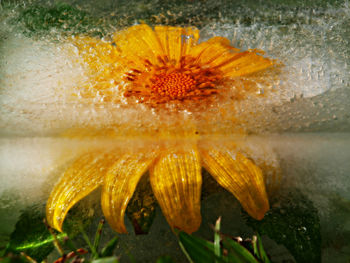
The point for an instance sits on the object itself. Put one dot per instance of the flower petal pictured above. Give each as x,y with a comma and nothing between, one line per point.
264,157
176,182
218,53
214,51
245,63
176,41
80,179
138,43
141,42
240,176
119,185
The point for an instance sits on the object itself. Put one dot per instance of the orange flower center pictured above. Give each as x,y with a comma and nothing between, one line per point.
174,85
164,82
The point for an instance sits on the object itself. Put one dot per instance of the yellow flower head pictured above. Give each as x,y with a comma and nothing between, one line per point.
163,68
167,64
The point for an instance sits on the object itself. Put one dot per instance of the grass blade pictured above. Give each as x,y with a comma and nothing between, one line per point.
107,251
98,235
217,239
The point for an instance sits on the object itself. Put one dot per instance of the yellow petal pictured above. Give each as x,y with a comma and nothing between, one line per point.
214,51
240,176
218,53
138,43
81,178
176,41
141,42
176,182
119,185
245,63
266,158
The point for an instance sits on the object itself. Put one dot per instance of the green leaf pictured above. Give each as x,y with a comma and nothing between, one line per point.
185,252
259,250
142,207
109,248
238,253
106,260
199,250
31,236
294,224
88,242
165,259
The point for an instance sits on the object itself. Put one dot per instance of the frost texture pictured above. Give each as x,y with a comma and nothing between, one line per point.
40,77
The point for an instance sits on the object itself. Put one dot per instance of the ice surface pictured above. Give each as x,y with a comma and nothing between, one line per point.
40,80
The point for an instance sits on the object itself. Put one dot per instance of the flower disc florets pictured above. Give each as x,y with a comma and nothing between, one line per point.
168,81
173,85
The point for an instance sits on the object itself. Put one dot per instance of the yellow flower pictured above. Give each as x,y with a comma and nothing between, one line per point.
165,68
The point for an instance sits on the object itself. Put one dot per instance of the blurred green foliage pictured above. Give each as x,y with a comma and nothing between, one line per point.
103,17
40,20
